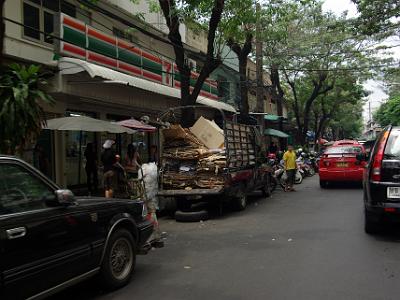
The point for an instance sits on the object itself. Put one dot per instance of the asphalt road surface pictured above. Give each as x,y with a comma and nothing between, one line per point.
308,244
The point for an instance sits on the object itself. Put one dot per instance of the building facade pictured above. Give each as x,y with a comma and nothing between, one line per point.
105,63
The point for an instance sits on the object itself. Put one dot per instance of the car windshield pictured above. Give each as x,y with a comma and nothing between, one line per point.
392,149
343,150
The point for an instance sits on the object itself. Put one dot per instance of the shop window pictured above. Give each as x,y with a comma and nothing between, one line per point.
31,21
39,17
68,9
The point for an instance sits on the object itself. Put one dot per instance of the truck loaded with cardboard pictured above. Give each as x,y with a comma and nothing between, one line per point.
211,163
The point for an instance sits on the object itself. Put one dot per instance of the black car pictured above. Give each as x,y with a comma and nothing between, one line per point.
50,239
382,181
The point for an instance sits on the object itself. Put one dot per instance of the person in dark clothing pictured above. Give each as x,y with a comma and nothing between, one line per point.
108,160
273,148
91,168
153,154
116,181
108,155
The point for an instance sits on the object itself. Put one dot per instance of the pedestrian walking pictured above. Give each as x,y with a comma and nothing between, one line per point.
132,161
91,168
289,159
108,160
116,181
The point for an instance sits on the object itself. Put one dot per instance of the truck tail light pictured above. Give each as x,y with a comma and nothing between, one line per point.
377,162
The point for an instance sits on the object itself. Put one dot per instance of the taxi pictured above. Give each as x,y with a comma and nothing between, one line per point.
340,162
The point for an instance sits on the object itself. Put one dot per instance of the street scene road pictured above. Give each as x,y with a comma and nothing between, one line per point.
308,244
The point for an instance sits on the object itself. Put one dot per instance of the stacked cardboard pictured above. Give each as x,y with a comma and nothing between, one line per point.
193,158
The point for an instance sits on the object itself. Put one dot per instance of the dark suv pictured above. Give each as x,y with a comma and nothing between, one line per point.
382,181
50,240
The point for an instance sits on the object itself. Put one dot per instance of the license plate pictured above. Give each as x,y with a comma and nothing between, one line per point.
393,192
342,165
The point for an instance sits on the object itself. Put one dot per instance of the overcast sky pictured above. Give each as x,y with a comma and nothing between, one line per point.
338,6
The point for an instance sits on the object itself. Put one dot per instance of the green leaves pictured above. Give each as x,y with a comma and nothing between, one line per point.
377,16
389,112
21,115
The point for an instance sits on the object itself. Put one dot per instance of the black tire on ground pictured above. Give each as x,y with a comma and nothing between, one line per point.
240,202
119,260
191,216
371,226
198,206
266,191
323,184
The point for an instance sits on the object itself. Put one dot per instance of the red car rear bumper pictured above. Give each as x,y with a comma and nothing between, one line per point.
341,175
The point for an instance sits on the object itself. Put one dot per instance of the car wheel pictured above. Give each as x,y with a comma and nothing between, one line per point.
191,216
370,226
119,260
323,184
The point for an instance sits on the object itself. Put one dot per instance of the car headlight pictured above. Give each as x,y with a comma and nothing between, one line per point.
144,211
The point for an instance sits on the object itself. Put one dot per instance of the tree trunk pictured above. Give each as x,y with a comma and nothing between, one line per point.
317,91
242,54
2,31
244,93
277,94
169,8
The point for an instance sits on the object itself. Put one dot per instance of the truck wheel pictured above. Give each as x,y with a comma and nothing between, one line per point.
240,202
119,260
191,216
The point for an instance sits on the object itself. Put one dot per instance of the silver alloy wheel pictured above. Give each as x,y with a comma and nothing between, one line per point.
121,258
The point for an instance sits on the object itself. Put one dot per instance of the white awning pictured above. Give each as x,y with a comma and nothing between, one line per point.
69,66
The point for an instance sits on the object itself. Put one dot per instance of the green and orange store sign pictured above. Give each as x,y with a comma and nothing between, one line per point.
82,41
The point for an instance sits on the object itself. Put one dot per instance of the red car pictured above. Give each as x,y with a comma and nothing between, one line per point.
340,163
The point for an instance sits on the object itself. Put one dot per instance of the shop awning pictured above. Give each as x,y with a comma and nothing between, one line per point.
70,66
83,123
275,132
137,125
271,117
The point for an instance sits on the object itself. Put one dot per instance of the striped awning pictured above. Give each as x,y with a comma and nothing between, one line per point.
69,66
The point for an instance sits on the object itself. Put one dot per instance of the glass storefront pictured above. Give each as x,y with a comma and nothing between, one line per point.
75,146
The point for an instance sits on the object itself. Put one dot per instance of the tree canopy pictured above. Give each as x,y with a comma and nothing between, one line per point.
378,16
389,112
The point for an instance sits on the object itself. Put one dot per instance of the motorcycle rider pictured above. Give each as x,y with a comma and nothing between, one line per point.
289,159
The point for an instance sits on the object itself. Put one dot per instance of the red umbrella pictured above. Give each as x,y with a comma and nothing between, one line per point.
137,125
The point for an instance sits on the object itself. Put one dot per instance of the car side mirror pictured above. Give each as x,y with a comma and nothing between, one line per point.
65,197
